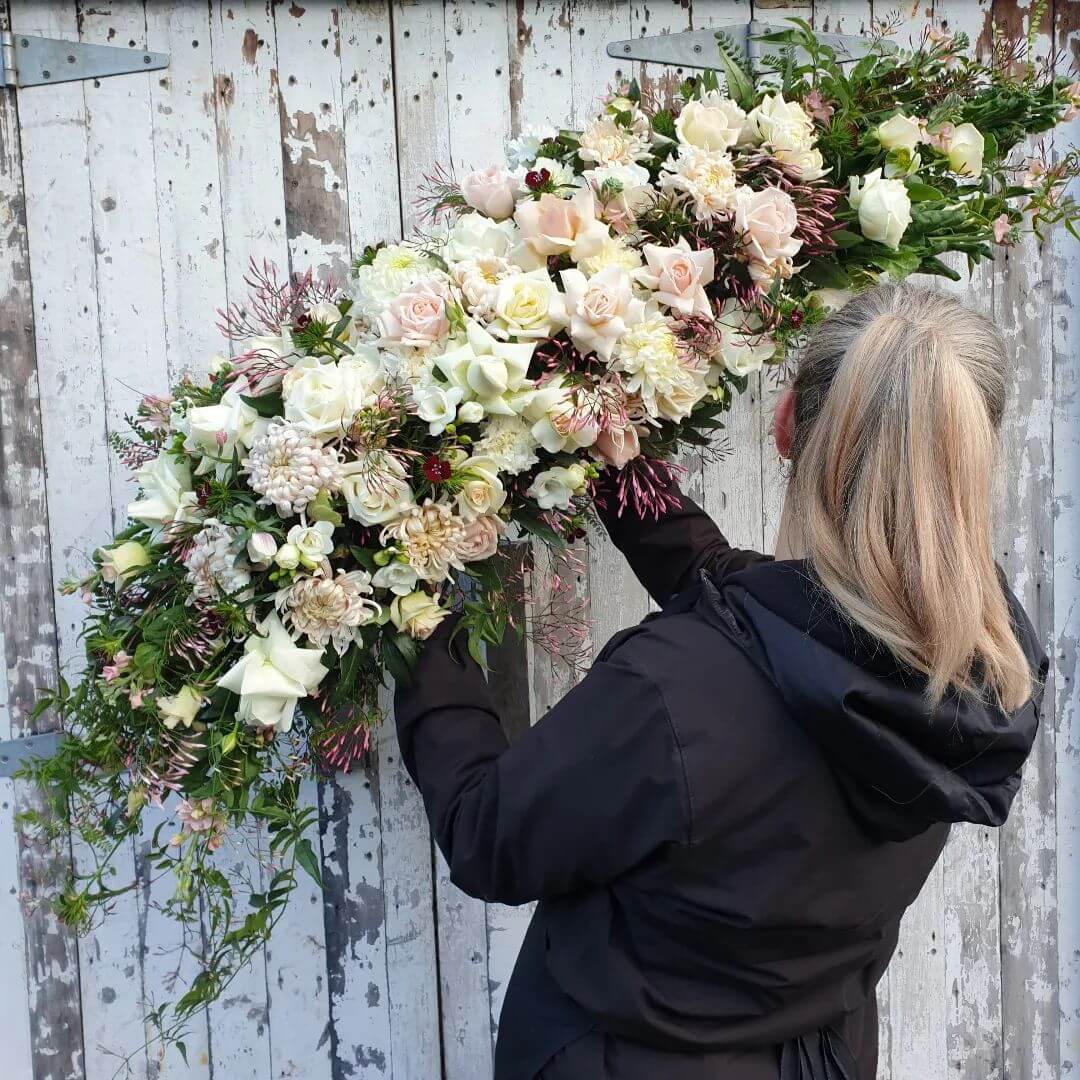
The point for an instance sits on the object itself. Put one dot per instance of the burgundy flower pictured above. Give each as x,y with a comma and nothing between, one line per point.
436,469
536,179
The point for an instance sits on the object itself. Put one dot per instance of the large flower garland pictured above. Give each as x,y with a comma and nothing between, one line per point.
309,514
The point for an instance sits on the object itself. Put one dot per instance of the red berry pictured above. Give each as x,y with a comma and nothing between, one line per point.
436,469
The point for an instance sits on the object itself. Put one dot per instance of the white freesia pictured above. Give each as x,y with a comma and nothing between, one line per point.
216,432
180,708
481,492
272,676
528,305
555,488
965,148
488,371
884,207
712,123
437,405
900,132
399,577
166,493
600,309
323,398
313,542
376,488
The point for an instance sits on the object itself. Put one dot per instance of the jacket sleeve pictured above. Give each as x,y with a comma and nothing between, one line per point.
595,787
666,555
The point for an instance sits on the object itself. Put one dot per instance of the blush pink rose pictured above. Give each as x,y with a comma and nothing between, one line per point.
491,191
767,219
677,276
481,538
551,225
416,317
618,444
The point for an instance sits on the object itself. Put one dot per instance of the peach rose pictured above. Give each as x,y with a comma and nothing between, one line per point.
417,316
618,444
677,277
767,219
551,225
491,191
481,538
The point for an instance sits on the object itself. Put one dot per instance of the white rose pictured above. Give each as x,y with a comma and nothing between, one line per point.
884,207
713,123
810,163
555,488
487,369
830,299
470,412
784,125
121,562
323,398
600,308
376,488
965,148
491,191
399,577
473,235
528,306
166,493
900,132
481,491
417,614
272,675
181,708
261,548
217,431
312,542
437,405
287,557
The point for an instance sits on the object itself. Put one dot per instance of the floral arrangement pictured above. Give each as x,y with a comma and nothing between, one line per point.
313,510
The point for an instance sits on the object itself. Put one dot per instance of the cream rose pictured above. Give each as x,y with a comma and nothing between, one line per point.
376,488
323,398
600,308
766,219
181,708
900,132
416,317
481,539
551,225
677,277
122,561
965,147
490,190
417,614
884,207
555,488
713,123
528,305
481,492
784,125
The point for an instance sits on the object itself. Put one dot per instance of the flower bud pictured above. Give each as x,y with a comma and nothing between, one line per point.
261,548
287,557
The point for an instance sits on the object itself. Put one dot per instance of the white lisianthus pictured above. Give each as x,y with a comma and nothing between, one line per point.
323,398
180,708
528,305
399,577
555,488
272,676
120,562
713,123
705,177
216,432
312,542
481,491
600,309
417,614
509,443
654,367
393,269
376,488
884,207
488,371
557,421
473,235
900,132
261,548
965,148
677,277
437,405
470,412
166,493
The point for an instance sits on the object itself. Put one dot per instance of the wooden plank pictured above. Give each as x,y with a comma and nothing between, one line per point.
1065,343
539,37
39,958
1029,923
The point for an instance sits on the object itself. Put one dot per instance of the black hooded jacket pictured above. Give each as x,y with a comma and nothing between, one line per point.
724,821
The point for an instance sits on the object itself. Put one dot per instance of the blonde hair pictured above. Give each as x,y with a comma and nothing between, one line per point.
898,401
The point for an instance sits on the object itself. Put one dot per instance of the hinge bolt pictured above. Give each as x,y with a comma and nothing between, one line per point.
46,74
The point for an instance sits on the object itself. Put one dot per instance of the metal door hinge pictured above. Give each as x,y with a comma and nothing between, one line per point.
697,48
14,752
29,60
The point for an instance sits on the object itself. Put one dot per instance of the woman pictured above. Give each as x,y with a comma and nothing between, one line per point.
726,819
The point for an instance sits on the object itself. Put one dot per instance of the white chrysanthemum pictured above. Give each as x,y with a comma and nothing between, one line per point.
521,152
216,566
329,610
394,268
607,142
654,367
431,536
288,468
616,252
509,443
705,177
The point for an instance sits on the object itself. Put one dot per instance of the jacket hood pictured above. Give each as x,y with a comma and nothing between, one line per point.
901,767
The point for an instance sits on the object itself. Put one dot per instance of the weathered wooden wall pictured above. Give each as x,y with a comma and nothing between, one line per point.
297,133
